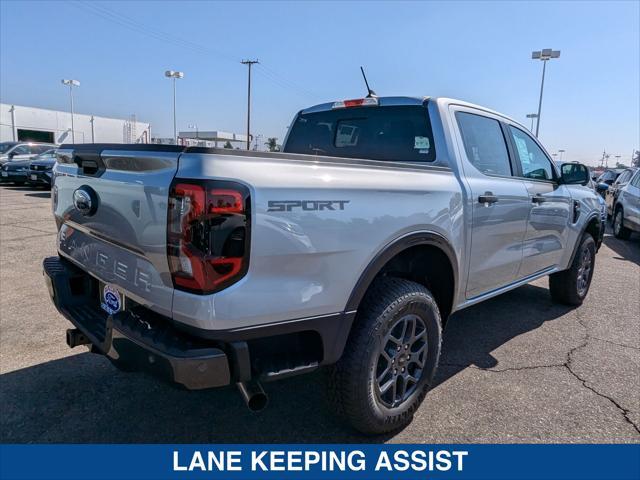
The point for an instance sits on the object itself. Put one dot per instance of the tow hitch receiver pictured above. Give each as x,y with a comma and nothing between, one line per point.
75,337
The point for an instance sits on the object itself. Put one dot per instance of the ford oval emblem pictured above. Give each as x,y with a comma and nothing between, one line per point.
85,200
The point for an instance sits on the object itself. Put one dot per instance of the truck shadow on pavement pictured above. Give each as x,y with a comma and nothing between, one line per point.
83,398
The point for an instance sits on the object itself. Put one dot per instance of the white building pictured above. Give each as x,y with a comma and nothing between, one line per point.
210,138
19,123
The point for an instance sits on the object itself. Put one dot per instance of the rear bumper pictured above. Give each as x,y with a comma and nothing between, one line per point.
13,176
144,344
42,177
140,339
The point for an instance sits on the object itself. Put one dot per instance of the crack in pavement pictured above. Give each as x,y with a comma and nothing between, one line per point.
625,412
623,345
568,366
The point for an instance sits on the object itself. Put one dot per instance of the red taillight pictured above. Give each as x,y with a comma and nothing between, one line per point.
207,234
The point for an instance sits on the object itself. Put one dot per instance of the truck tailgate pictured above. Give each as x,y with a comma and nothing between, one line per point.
111,206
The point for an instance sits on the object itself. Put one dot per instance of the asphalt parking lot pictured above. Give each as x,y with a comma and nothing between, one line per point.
517,368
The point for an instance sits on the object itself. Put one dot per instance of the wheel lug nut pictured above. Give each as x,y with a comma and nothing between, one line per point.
402,369
406,347
395,371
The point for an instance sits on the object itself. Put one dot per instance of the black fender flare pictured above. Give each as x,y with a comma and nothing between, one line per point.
391,250
590,218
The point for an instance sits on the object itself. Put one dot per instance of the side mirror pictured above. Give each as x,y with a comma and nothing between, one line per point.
574,174
11,155
602,187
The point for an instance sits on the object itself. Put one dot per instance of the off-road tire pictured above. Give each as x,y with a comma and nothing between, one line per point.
619,230
351,384
564,285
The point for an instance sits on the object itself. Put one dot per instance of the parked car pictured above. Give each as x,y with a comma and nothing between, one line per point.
350,249
626,208
611,195
609,175
40,168
17,151
16,172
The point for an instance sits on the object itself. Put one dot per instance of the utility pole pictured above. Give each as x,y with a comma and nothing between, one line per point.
249,63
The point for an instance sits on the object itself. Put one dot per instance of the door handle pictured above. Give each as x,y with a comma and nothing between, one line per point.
538,199
488,198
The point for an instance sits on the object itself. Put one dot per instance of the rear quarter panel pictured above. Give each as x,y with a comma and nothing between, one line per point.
305,263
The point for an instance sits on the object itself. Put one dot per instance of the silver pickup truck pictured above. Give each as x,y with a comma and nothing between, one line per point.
350,249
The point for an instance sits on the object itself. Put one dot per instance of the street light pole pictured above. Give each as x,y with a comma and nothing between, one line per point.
561,152
249,63
544,55
71,84
174,75
532,116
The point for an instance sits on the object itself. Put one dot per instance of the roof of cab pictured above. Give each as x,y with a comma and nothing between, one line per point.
382,102
397,101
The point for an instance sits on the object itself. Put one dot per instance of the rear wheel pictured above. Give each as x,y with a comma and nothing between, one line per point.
390,358
572,285
619,230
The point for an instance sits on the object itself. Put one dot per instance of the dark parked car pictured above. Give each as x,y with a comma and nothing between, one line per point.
15,172
611,197
18,151
610,175
40,171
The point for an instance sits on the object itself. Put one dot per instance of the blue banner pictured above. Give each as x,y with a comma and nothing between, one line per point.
282,462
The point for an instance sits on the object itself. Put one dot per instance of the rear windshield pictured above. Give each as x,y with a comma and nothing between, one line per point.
399,133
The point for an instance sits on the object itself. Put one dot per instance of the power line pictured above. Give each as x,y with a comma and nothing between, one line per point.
143,29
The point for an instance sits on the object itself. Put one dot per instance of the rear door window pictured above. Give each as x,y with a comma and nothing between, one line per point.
392,133
484,143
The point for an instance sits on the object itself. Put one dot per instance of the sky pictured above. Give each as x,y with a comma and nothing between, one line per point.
311,52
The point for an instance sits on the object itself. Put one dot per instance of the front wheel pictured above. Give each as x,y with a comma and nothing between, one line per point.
572,285
390,358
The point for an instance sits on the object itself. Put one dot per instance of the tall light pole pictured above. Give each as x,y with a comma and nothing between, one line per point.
544,55
532,116
71,84
249,63
561,152
174,75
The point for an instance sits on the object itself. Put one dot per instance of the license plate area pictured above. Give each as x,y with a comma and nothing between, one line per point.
112,300
34,176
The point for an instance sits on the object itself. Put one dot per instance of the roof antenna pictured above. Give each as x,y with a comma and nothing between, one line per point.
370,93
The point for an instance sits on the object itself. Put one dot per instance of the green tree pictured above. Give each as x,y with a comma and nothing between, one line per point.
272,144
228,144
